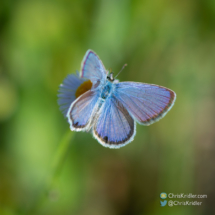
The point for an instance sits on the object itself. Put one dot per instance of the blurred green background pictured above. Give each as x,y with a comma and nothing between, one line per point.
165,42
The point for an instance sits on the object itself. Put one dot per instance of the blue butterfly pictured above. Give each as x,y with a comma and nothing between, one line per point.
94,100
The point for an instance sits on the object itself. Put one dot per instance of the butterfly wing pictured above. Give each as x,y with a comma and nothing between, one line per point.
114,126
92,68
67,91
82,110
147,103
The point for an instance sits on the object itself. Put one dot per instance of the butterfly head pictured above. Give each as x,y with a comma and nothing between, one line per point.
110,77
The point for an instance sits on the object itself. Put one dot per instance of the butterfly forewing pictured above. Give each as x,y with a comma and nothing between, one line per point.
82,110
114,127
147,103
93,68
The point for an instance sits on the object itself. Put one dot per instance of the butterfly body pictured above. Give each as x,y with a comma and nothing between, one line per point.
110,109
107,90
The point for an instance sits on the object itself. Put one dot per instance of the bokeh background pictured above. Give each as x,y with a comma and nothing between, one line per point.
46,169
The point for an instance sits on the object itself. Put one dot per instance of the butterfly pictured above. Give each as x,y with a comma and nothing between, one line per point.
93,100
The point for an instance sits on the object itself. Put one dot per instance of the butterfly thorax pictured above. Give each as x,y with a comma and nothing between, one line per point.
107,89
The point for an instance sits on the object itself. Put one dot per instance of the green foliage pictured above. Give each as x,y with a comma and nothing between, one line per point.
168,43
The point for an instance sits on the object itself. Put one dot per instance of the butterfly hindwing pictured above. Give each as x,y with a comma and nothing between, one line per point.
67,92
92,68
147,103
114,126
82,110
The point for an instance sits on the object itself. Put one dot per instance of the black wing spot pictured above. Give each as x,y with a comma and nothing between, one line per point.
105,139
76,124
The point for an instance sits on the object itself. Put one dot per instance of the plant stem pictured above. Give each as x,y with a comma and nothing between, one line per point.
56,166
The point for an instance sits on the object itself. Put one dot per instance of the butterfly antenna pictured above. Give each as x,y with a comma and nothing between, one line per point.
121,69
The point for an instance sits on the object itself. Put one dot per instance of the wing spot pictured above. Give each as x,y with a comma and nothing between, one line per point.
84,87
106,139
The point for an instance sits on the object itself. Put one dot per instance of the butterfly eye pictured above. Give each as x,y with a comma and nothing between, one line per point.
84,87
110,77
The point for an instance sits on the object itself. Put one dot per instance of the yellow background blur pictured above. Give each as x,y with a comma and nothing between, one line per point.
164,42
